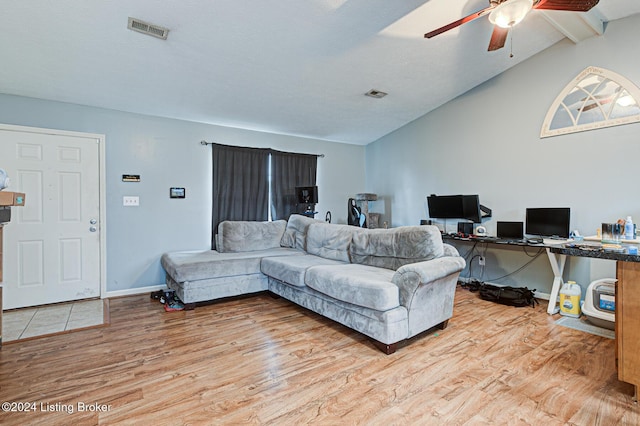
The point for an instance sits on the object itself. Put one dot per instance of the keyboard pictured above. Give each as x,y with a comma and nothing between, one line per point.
511,241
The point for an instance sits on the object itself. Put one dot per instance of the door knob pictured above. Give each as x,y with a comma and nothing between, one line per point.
93,221
93,229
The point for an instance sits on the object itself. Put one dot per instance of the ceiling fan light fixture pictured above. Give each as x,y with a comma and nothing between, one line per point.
510,12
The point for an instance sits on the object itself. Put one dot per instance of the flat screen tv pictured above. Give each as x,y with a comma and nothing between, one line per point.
548,222
307,194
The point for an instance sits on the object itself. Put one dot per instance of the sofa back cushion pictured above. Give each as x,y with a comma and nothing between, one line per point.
329,241
393,248
239,236
295,235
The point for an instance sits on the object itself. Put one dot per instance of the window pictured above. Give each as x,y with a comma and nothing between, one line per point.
596,98
257,183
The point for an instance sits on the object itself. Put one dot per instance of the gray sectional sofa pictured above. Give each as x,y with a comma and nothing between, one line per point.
389,284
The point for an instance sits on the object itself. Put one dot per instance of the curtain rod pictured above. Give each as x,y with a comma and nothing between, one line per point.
205,143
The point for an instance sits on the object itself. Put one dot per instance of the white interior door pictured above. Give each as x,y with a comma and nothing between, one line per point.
52,246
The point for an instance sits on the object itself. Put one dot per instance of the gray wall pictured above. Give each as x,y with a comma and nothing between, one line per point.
487,142
167,153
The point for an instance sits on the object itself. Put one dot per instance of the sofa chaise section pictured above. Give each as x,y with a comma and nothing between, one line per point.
231,270
198,276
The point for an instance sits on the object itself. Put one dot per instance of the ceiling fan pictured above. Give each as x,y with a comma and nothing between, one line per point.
504,14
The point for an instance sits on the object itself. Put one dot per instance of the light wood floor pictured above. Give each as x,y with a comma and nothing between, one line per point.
260,360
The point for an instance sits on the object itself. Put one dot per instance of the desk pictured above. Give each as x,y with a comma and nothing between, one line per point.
557,262
627,304
557,252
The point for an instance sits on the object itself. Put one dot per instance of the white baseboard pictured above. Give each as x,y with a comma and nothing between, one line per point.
133,291
537,294
543,296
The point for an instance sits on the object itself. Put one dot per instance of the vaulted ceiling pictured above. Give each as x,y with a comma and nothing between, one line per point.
282,66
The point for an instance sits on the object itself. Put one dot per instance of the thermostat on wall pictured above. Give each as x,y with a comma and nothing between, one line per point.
131,178
176,193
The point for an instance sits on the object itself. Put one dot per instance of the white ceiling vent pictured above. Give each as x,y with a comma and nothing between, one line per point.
147,28
373,93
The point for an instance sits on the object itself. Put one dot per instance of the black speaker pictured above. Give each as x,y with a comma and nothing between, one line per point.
425,222
465,228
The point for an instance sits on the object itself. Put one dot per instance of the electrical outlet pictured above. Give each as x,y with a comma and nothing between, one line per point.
481,260
130,201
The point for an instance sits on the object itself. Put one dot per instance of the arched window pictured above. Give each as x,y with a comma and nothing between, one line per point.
596,98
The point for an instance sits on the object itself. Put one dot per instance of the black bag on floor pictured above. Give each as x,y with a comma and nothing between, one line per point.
512,296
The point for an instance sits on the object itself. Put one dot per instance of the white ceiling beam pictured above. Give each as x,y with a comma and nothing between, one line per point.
576,26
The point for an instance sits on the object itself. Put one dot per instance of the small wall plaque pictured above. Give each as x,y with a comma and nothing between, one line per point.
177,193
131,178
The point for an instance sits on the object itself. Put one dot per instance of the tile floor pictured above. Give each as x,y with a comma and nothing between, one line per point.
50,319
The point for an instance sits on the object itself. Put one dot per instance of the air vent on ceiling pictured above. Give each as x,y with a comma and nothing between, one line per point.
147,28
375,94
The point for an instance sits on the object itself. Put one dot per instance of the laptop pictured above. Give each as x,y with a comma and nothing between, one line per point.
510,233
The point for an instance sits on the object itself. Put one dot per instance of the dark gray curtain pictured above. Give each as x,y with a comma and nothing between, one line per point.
240,185
289,170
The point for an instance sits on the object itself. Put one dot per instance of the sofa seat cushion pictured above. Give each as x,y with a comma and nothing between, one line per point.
360,285
291,269
198,265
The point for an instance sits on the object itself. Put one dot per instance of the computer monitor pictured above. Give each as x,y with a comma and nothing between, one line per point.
307,194
457,207
471,208
548,222
445,206
509,230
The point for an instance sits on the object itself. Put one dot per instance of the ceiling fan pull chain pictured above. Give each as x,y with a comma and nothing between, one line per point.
511,43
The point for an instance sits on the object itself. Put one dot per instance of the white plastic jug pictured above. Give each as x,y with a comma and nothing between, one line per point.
570,299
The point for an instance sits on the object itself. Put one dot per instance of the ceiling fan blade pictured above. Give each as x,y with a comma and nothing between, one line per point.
570,5
459,22
498,38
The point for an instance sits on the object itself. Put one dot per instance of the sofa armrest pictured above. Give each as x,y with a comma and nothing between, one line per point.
427,290
409,277
450,250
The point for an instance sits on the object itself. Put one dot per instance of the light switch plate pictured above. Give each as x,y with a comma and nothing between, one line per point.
130,201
